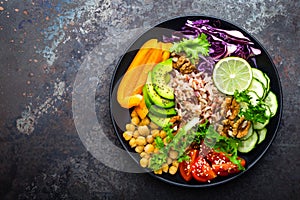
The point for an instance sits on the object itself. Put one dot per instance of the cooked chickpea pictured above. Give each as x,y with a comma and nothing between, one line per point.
143,130
140,140
127,135
162,134
149,139
145,121
173,170
173,154
149,148
144,162
135,120
134,114
135,134
159,171
144,155
130,127
155,133
175,163
139,149
165,167
132,142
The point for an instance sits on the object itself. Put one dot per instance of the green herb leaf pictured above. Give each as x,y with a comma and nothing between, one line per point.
159,143
192,47
252,113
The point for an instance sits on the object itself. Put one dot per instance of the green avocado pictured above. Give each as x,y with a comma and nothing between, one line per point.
162,112
159,75
159,121
154,97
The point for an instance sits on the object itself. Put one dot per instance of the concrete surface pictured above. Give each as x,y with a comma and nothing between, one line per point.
44,43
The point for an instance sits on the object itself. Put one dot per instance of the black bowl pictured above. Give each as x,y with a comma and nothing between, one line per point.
120,116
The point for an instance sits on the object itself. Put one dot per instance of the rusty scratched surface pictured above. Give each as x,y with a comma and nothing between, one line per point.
43,44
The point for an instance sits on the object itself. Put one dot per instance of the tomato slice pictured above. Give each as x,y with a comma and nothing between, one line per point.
185,167
225,169
202,171
222,165
217,158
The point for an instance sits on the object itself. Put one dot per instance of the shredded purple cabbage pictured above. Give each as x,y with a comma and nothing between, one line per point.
224,43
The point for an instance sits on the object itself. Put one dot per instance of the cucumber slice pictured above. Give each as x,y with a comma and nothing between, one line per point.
261,135
259,126
257,87
254,97
259,75
249,134
271,102
268,83
268,111
246,146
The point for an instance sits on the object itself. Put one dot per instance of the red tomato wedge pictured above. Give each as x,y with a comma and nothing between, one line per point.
185,167
202,171
217,157
222,165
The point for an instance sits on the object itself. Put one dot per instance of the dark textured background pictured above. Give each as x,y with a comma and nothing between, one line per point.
42,46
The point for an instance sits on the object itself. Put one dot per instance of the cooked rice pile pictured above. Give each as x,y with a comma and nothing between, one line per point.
196,96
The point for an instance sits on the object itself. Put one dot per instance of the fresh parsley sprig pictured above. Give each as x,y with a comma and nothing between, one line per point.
254,113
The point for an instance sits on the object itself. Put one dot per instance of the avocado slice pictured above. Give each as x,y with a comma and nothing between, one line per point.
162,112
159,121
159,75
154,97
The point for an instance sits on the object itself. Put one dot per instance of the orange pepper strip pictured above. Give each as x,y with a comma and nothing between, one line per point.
142,109
155,58
143,53
130,88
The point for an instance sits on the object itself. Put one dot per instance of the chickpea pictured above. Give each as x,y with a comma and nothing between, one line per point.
144,162
145,121
134,114
135,134
159,171
165,167
149,139
155,133
175,163
149,148
127,135
132,142
162,134
143,130
173,154
140,140
130,127
135,120
144,155
139,149
173,170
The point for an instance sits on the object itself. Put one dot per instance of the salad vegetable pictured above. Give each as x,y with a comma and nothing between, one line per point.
224,43
192,47
197,121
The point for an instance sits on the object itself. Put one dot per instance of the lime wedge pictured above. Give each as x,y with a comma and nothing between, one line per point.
231,74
